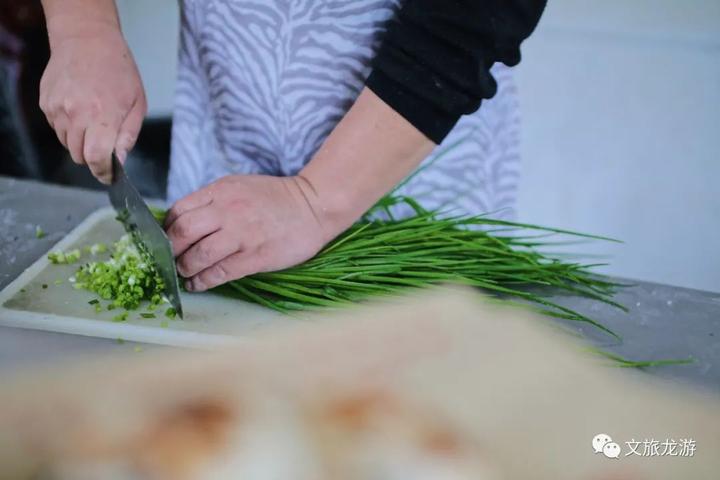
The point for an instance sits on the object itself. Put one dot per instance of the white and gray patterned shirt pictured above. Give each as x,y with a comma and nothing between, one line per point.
261,83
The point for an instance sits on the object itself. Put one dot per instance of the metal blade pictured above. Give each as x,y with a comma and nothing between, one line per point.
143,228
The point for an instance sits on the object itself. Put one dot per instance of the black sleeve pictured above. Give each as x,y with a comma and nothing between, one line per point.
434,63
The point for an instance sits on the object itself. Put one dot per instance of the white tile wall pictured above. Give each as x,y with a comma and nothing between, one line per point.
621,107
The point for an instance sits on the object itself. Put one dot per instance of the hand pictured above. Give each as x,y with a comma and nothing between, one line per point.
244,224
92,95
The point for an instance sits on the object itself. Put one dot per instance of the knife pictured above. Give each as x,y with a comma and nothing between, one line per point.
144,229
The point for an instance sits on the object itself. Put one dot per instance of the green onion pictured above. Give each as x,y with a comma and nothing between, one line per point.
39,233
97,248
379,256
71,256
126,279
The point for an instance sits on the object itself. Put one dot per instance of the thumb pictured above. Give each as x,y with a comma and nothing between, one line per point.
129,130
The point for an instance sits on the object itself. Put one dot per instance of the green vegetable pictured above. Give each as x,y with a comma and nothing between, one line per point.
98,248
94,301
39,233
384,256
44,285
381,257
64,257
147,315
164,324
121,317
58,282
120,341
126,279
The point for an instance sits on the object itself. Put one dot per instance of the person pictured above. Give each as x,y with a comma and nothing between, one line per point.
293,118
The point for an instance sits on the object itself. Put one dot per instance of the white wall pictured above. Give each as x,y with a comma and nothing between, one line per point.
151,29
621,107
621,132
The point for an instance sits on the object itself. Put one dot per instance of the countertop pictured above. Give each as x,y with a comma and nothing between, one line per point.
663,321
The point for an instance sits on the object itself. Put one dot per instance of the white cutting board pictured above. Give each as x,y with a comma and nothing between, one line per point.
210,319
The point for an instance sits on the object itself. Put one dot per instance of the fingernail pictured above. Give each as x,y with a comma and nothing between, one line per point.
189,285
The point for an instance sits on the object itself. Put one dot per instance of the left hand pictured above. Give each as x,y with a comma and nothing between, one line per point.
244,224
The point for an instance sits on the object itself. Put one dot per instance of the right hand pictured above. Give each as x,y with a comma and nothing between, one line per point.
92,96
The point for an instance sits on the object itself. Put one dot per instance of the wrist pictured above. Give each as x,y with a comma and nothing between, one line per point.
333,209
77,19
370,150
339,203
73,28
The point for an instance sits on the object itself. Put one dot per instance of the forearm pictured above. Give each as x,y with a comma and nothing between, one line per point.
78,18
369,152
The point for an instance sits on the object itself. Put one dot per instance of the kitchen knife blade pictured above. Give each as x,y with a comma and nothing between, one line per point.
144,229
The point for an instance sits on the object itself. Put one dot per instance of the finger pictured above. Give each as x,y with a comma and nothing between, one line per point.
44,96
100,139
60,123
75,140
192,227
130,129
198,199
235,266
206,253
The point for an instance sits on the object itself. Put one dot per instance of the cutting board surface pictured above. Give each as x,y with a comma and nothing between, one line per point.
43,298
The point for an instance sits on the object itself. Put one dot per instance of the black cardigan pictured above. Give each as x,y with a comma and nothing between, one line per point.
434,63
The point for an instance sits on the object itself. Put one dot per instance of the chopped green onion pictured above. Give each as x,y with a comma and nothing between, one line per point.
121,317
147,315
98,248
94,301
39,233
170,313
64,257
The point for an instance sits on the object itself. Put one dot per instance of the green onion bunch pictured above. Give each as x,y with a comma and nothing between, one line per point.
384,256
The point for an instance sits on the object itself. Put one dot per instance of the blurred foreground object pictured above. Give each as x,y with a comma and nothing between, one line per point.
432,387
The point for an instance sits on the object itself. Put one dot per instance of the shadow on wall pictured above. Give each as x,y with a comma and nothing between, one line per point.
28,146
